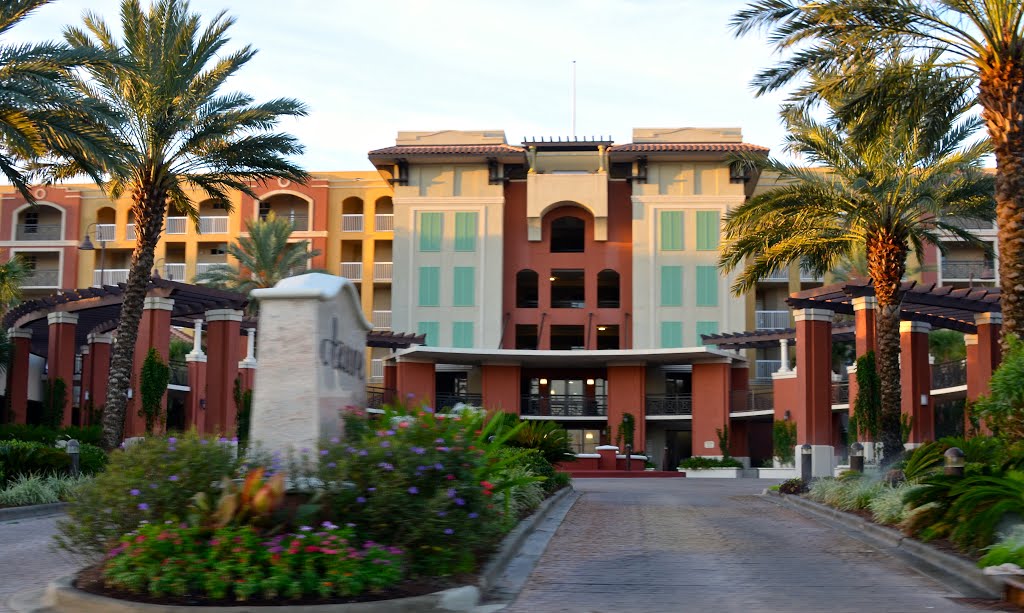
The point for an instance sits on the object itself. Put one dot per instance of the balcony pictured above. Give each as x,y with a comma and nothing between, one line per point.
174,272
669,404
352,270
563,405
382,271
352,222
450,401
106,232
777,275
841,392
37,232
176,225
42,277
111,276
967,270
949,374
179,373
384,222
202,267
378,397
213,225
129,232
969,224
764,369
377,369
300,223
761,398
382,320
771,320
806,274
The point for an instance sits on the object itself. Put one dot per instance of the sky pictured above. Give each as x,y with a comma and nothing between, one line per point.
369,69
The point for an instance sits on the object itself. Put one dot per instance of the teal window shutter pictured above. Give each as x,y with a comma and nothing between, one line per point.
671,230
706,327
707,230
431,228
707,286
432,331
671,286
462,334
465,286
671,334
430,286
465,231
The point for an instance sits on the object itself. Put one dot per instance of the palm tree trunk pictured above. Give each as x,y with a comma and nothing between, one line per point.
887,261
1002,99
150,206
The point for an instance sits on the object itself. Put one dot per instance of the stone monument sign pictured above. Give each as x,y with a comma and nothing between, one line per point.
312,344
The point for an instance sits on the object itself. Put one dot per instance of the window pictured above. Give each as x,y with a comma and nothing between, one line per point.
464,284
671,334
430,231
607,289
465,231
567,337
526,289
462,334
567,289
671,286
567,235
220,206
706,327
431,330
430,286
677,383
584,441
707,286
220,249
264,209
30,261
671,230
608,337
31,225
707,230
526,336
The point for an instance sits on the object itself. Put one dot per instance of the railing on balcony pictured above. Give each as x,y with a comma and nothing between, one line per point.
177,225
382,320
42,277
563,405
450,401
384,222
129,232
174,271
841,392
764,369
777,275
110,276
352,270
968,269
771,320
209,224
969,224
669,404
106,232
300,223
382,271
949,374
761,398
377,397
179,372
806,274
202,267
37,232
377,369
352,222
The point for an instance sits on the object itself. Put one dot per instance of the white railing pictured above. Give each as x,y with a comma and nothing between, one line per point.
129,232
763,369
177,225
202,267
377,369
213,225
40,277
807,274
771,320
106,232
111,276
382,320
174,272
777,275
352,222
385,222
382,271
352,270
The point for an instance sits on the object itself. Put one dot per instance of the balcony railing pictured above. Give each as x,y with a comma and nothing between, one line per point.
761,398
111,276
969,224
968,269
382,320
202,267
352,270
563,405
106,232
174,272
777,275
669,404
300,223
352,222
771,320
448,401
377,369
949,374
384,222
42,277
213,225
764,369
177,225
129,231
382,271
179,372
37,232
841,393
378,397
806,274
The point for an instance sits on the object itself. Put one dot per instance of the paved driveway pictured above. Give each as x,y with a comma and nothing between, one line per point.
668,545
27,560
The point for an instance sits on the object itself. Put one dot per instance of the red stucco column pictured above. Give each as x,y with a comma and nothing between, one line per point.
864,324
18,374
247,367
195,402
710,406
983,356
390,378
813,414
99,352
501,387
223,326
416,383
740,398
84,384
60,358
916,381
154,332
627,385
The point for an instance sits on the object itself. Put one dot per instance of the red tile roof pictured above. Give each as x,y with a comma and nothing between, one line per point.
445,150
697,147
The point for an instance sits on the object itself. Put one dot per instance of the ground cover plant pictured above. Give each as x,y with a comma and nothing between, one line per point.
702,463
36,489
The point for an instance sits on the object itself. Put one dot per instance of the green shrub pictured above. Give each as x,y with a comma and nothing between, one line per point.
525,496
866,422
923,461
1009,550
981,502
36,489
533,461
889,506
826,491
45,434
784,441
91,459
55,397
559,481
25,458
856,494
700,462
793,487
1003,409
548,437
153,379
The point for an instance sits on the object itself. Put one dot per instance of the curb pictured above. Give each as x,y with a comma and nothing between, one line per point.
935,561
32,511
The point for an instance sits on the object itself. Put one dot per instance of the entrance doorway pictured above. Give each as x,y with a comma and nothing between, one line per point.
678,447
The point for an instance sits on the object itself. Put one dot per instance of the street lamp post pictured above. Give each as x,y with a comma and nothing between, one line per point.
87,245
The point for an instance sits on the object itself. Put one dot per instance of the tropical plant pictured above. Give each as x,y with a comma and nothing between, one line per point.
888,506
702,463
31,489
923,461
784,441
1003,408
252,503
1009,549
946,345
55,397
975,46
626,429
981,502
793,487
176,132
243,412
866,420
889,194
722,434
153,379
548,437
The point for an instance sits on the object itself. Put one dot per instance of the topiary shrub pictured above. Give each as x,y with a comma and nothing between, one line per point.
19,458
784,441
793,487
702,463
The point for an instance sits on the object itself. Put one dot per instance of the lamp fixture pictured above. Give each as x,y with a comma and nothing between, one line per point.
552,278
590,381
543,381
589,436
602,328
86,244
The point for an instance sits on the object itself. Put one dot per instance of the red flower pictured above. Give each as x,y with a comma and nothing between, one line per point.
487,485
312,549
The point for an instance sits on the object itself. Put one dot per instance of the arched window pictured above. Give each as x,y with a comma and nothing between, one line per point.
567,235
608,289
526,289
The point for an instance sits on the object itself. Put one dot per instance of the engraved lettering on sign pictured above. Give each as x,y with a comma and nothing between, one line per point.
339,356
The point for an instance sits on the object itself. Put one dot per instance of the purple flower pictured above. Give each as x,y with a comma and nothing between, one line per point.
363,452
442,513
134,492
304,450
276,549
152,486
421,468
473,515
410,395
438,440
360,500
385,443
371,489
449,531
414,490
386,466
222,440
172,478
335,440
439,466
306,528
389,433
331,465
451,492
428,410
203,441
460,502
328,525
419,450
172,441
323,452
143,506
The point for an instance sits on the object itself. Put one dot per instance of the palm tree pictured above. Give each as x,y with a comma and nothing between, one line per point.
177,131
265,257
886,195
13,274
976,43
